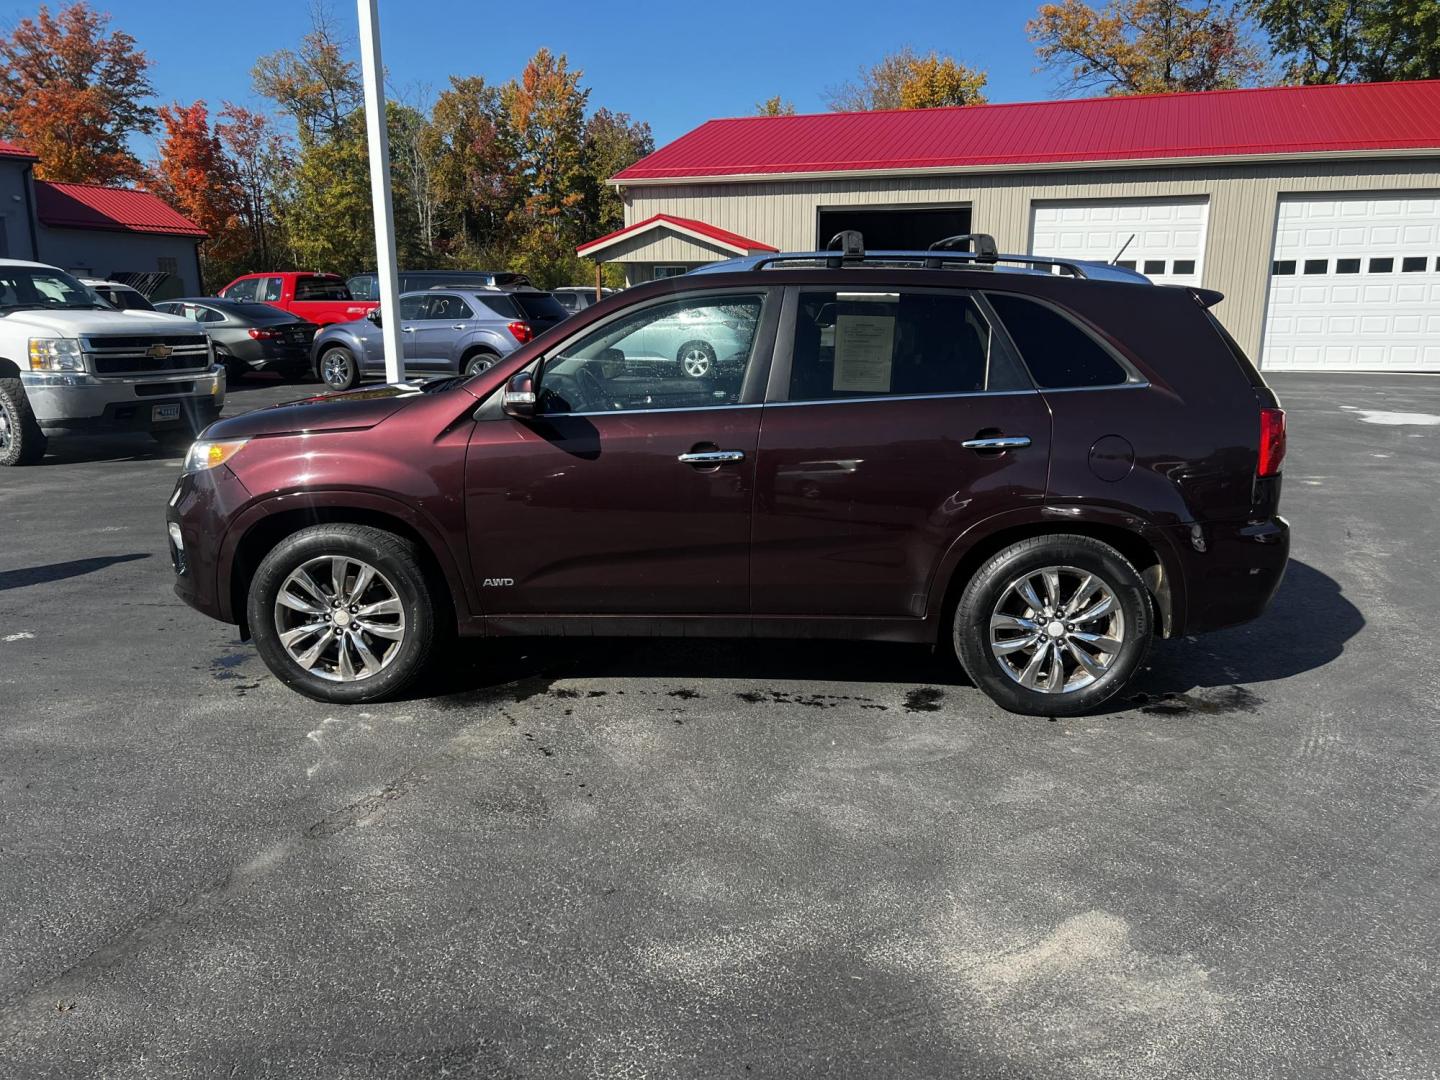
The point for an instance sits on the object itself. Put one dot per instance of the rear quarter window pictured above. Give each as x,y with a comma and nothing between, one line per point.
539,305
1057,351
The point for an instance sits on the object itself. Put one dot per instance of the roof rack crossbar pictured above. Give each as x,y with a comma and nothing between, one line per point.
983,244
850,243
930,260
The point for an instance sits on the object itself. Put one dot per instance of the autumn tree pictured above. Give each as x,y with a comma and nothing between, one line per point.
1337,41
470,152
775,106
260,159
1146,46
318,85
612,142
72,91
907,80
194,175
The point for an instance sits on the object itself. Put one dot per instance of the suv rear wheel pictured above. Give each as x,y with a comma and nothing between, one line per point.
1053,625
696,358
342,613
477,362
21,440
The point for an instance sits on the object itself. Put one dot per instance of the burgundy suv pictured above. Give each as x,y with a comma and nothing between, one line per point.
1040,465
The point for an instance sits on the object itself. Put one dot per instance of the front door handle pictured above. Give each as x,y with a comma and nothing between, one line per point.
711,457
458,326
407,329
997,442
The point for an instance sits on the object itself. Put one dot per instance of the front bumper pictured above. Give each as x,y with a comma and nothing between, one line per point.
80,402
201,508
1229,572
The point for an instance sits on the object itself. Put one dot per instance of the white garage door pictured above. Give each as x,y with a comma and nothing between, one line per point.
1163,238
1354,285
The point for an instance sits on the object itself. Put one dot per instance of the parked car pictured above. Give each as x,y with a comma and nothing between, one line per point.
71,363
442,332
1036,471
118,295
249,336
575,298
317,298
366,286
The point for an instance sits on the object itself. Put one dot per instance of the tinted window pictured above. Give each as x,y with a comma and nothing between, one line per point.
260,312
1057,351
499,305
1183,266
869,344
318,288
1413,264
443,306
1283,266
243,290
684,354
541,306
1381,266
1154,266
411,306
1347,266
1316,266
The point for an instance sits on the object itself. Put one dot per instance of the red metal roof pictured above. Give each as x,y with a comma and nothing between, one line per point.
9,149
1268,122
85,206
739,244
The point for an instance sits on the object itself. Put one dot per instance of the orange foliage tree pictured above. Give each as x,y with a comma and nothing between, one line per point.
196,177
71,92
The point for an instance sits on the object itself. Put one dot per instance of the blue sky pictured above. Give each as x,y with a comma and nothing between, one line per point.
674,63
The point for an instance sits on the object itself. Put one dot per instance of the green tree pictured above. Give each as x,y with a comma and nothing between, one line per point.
318,85
907,80
612,142
775,106
1337,41
1147,46
472,175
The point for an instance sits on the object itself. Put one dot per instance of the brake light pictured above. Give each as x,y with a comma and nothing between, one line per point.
1272,442
521,330
261,334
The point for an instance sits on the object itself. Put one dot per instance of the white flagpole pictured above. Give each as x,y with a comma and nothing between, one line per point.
373,76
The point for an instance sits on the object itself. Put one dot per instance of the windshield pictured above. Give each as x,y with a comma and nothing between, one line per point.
25,287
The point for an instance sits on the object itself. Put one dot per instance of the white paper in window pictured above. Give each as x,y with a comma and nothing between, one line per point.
864,351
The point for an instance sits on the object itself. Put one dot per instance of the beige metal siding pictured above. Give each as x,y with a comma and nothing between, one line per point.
1239,236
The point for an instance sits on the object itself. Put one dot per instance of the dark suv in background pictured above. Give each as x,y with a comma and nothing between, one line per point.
1039,465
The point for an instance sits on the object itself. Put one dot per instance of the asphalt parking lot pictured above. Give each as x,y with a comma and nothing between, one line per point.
655,859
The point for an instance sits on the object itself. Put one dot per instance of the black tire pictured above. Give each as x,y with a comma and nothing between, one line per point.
696,359
397,562
477,362
21,440
1130,616
337,368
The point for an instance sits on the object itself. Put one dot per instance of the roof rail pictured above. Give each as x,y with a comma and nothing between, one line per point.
929,260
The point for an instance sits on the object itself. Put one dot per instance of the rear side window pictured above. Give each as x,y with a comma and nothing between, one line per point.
872,344
1057,351
270,288
499,305
315,288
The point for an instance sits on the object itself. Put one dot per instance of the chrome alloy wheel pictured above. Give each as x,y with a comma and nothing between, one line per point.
335,367
1056,630
695,361
339,618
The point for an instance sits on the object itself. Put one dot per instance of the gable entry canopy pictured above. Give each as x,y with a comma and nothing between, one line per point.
666,238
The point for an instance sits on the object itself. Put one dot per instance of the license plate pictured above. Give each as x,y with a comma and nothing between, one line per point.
164,412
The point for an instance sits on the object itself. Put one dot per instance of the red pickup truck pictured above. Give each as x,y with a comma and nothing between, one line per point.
317,298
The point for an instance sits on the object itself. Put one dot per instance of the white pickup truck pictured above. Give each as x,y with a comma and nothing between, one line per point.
71,363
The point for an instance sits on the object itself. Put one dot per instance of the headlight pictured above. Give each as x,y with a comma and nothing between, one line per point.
56,354
207,455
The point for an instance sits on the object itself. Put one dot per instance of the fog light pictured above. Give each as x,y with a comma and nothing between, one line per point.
177,547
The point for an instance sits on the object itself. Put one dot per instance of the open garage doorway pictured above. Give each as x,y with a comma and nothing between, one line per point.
895,228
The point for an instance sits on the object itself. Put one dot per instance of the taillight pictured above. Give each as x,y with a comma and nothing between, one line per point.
1272,442
261,334
521,330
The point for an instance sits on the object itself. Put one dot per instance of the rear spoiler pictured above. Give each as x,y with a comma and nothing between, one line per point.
1206,298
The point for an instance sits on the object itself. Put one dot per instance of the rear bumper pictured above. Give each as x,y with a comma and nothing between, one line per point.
87,403
1229,571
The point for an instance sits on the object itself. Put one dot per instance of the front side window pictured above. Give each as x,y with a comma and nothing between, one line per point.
874,344
1058,352
244,289
684,354
411,306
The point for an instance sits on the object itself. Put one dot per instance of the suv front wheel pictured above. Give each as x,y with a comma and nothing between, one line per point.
342,613
1053,625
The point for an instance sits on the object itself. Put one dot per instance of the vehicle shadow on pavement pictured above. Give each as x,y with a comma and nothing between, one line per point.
40,575
1305,627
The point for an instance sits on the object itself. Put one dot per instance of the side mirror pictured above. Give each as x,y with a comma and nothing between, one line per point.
373,315
518,398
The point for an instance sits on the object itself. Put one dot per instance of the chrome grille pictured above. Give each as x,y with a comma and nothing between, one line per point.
140,354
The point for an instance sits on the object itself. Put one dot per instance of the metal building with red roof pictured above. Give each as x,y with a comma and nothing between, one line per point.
1315,209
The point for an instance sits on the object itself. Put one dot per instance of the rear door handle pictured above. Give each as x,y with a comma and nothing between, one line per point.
458,326
711,457
407,329
997,442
